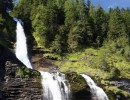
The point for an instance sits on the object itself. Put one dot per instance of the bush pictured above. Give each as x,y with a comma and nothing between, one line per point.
26,72
115,72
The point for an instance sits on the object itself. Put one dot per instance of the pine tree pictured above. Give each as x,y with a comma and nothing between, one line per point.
101,25
126,18
80,34
117,33
116,24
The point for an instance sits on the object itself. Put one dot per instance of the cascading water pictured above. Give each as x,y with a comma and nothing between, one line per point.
55,86
95,90
21,45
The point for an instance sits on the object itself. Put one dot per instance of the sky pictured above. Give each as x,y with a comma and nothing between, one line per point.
106,4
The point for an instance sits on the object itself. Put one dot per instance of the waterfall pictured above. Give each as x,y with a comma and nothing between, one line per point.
21,45
95,90
55,86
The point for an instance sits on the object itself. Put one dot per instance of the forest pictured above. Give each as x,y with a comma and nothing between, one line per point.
63,26
91,39
73,25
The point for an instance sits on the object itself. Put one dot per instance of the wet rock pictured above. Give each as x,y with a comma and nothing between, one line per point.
80,90
20,88
123,84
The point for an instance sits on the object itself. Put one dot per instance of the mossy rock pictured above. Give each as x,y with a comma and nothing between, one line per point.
77,82
28,73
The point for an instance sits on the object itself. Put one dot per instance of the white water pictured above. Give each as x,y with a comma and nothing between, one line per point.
21,45
95,90
55,86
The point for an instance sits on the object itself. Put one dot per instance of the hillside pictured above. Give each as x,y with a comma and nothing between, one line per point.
74,36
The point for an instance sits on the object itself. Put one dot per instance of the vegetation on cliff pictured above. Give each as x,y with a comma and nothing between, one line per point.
7,26
76,81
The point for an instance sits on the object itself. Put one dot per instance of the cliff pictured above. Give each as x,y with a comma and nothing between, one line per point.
17,87
16,81
20,83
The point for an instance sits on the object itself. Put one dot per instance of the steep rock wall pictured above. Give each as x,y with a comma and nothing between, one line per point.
20,87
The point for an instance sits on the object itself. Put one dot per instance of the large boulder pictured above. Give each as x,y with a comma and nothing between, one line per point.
79,87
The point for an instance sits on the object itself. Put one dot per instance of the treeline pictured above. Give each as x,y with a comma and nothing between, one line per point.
72,25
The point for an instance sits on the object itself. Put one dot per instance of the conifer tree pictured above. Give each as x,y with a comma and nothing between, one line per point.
116,24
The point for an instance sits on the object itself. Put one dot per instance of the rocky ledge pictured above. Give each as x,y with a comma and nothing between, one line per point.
20,83
19,86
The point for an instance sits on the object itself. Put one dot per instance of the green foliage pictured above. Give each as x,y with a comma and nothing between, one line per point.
73,39
115,72
1,20
59,45
7,29
52,56
27,73
46,25
101,65
117,27
71,14
117,91
98,40
77,19
20,73
71,25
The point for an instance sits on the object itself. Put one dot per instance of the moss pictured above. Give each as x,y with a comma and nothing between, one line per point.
52,56
114,92
101,65
76,81
28,73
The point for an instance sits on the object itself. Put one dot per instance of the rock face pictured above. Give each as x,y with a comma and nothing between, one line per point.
16,81
80,90
123,84
16,88
27,86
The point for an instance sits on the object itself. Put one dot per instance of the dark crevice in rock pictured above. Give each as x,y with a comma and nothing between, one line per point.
82,95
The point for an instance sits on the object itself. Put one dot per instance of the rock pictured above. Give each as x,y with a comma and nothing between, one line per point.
20,83
80,89
17,88
123,84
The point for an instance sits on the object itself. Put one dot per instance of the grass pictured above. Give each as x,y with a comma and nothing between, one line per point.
52,56
117,91
100,64
97,62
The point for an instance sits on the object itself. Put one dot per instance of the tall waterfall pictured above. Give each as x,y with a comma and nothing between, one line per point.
95,90
55,86
21,45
